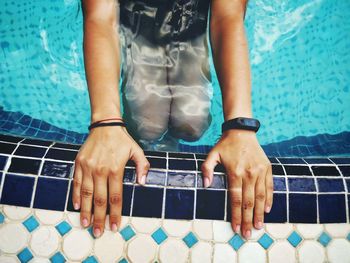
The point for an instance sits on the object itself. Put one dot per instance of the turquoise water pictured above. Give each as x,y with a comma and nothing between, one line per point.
299,53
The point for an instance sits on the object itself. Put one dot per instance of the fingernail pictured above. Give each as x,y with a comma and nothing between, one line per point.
238,227
97,232
114,227
143,179
85,222
267,209
260,224
247,233
206,182
76,206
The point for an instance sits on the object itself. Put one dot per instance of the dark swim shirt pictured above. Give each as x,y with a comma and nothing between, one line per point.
165,21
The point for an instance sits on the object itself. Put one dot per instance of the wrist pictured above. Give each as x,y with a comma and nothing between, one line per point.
104,115
230,116
238,132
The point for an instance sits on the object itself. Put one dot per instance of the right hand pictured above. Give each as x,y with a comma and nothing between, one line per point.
103,157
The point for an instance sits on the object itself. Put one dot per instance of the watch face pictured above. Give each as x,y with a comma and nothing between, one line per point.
250,122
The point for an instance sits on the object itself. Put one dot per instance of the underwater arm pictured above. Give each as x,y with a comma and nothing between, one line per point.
230,55
102,57
248,169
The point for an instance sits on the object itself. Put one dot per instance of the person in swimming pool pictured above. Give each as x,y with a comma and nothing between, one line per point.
165,91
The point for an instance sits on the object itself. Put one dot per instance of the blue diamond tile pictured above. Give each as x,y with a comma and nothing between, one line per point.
190,239
123,260
31,223
127,233
2,218
294,239
58,258
63,228
236,242
265,241
90,259
159,235
348,237
25,255
324,239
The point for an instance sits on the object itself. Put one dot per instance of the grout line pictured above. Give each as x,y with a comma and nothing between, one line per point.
317,191
346,197
195,191
287,194
165,187
37,178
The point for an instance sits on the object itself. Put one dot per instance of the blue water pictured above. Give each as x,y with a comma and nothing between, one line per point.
299,53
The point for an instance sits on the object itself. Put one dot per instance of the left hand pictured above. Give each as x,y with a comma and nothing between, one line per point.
249,174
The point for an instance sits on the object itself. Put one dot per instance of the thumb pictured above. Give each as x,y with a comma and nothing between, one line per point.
208,167
142,166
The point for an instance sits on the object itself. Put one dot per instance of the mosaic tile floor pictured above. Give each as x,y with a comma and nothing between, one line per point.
37,235
309,221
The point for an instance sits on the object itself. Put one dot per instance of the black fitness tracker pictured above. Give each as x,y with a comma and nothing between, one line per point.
241,123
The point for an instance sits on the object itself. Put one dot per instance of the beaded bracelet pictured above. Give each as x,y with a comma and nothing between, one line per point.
99,124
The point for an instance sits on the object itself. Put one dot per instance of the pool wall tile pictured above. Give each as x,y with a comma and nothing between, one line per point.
175,179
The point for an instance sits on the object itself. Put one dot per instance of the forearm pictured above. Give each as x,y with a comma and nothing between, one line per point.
231,60
102,67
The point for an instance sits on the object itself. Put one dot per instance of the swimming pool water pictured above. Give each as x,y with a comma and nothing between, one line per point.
299,53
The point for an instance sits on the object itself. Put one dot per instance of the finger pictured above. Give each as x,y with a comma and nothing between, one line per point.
100,202
86,194
235,197
142,166
208,166
115,199
248,203
269,190
260,195
77,181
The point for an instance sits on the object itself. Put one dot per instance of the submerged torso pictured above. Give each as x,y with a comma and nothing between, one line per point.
166,82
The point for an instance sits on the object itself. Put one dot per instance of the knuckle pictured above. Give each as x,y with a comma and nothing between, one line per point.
80,159
250,176
255,171
100,170
76,183
115,199
205,166
87,193
248,204
89,162
100,201
260,168
239,172
269,188
113,170
260,197
98,221
147,165
236,203
114,218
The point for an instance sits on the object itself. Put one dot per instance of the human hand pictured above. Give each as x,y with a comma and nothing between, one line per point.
102,159
249,175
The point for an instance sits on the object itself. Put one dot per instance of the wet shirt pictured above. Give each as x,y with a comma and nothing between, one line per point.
163,21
